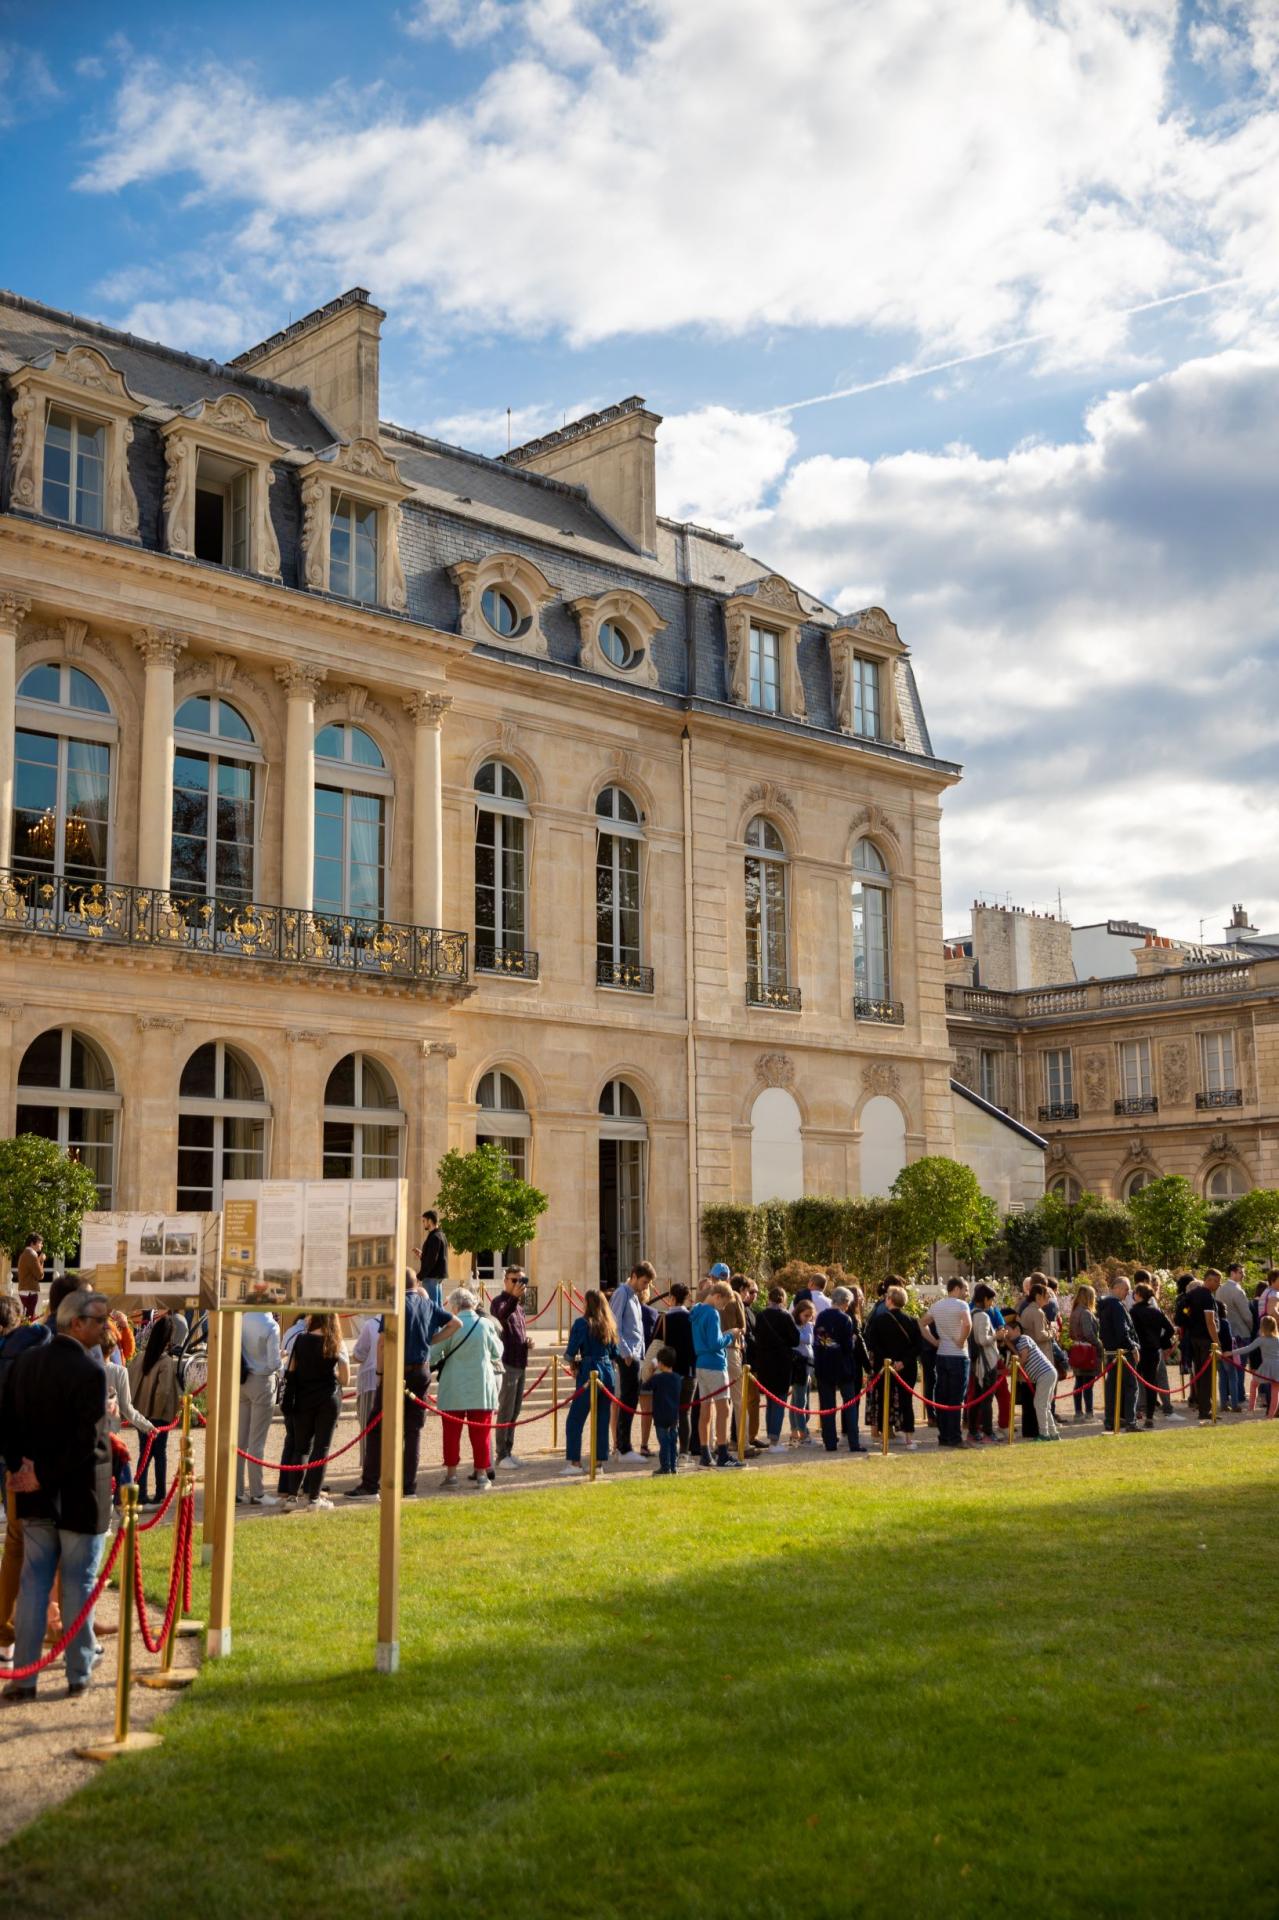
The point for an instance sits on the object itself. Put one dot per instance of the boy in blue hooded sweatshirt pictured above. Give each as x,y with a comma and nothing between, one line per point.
710,1345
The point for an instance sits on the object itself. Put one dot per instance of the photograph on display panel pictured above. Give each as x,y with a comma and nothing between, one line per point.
152,1256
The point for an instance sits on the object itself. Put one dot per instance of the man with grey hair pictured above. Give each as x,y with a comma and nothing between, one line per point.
53,1432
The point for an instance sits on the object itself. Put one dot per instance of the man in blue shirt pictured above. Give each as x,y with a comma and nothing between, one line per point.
259,1377
423,1322
627,1311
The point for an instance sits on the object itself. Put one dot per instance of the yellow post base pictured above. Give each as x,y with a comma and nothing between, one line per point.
188,1626
163,1681
132,1743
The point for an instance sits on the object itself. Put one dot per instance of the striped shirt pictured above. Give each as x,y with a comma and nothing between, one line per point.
1033,1364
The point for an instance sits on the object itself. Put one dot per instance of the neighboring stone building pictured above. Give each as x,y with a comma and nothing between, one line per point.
1169,1066
360,796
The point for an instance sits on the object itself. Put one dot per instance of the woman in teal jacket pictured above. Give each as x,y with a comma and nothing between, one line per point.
467,1366
592,1344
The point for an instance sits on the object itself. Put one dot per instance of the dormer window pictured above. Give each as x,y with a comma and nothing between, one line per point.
222,510
503,613
74,469
863,658
766,691
865,697
618,630
615,645
353,541
762,628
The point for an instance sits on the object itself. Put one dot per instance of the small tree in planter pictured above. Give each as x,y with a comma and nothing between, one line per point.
42,1191
1171,1221
483,1203
938,1199
980,1237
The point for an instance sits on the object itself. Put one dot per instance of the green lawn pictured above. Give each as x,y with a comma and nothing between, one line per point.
1040,1682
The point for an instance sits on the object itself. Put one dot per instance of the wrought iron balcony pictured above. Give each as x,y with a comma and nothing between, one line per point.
518,963
1060,1110
779,999
621,973
1136,1104
175,922
890,1013
1219,1097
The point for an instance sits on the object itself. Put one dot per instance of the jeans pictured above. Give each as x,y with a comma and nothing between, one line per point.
257,1404
310,1431
575,1423
1128,1399
509,1402
799,1394
48,1549
154,1471
833,1393
774,1418
1084,1384
1233,1381
668,1448
951,1377
628,1393
1200,1352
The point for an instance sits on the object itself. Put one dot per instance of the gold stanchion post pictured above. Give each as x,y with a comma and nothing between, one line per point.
184,1625
124,1741
387,1656
743,1417
1119,1390
595,1381
1012,1399
219,1640
1212,1379
885,1394
555,1404
559,1313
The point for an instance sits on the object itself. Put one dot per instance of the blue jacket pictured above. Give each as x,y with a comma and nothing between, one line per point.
591,1355
710,1341
837,1346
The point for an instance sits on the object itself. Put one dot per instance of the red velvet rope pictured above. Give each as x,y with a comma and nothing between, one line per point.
495,1426
822,1413
145,1526
300,1466
59,1648
152,1437
156,1645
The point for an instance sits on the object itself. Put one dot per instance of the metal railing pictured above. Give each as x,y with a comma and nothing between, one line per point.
1060,1110
165,920
890,1013
623,974
1137,1103
518,963
1219,1097
779,999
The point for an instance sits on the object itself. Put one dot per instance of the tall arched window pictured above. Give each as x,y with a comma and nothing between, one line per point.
1061,1260
363,1124
502,1122
1136,1181
66,1093
618,946
501,872
872,935
1066,1188
767,931
62,775
223,1123
215,781
1226,1183
353,791
622,1174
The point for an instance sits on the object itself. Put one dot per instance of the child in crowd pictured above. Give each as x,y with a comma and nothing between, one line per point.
664,1386
1267,1374
1040,1376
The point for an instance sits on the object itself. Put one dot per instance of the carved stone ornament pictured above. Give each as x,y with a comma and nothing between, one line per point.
158,646
428,709
372,477
634,618
508,736
522,583
231,427
778,594
444,1049
14,608
872,635
776,600
1220,1144
1137,1148
1096,1079
965,1068
881,1077
304,1036
1057,1152
315,526
1176,1073
768,797
874,821
775,1069
160,1023
84,382
299,679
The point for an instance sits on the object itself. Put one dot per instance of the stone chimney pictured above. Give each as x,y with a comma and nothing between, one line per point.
613,455
1240,926
334,353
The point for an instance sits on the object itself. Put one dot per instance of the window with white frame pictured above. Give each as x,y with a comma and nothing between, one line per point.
1136,1181
1134,1069
989,1074
767,969
75,454
872,923
765,669
63,752
216,769
1059,1080
353,541
1066,1188
1217,1062
501,873
1226,1183
618,853
223,1125
223,511
502,1122
353,791
865,697
67,1094
363,1124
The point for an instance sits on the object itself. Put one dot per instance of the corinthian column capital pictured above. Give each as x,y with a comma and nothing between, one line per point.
14,608
158,646
299,678
428,709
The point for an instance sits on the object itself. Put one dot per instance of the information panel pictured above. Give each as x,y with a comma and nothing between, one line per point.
321,1243
156,1256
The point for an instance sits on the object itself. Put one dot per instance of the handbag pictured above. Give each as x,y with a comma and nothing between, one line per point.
443,1362
1082,1357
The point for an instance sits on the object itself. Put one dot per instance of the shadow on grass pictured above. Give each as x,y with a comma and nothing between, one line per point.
945,1703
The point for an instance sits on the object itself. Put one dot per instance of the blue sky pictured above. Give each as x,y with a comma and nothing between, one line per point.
730,207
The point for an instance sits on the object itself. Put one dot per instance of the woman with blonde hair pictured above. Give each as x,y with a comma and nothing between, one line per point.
318,1370
1084,1353
592,1349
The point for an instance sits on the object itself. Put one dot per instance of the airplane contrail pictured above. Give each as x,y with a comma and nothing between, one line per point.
987,353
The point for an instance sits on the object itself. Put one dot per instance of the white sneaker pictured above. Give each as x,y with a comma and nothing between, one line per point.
572,1470
321,1500
484,1486
267,1500
910,1446
1179,1419
509,1460
778,1446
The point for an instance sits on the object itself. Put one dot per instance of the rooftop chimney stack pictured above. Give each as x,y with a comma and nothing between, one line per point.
1240,927
613,454
334,352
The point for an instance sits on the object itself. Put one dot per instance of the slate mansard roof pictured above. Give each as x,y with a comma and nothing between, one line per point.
465,506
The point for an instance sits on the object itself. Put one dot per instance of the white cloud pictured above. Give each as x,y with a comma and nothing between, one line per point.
198,325
732,164
485,429
27,87
715,466
463,22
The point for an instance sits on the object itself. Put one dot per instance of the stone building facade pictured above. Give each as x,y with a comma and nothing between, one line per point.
1172,1067
361,796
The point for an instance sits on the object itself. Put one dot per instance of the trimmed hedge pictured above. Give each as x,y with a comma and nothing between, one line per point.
863,1236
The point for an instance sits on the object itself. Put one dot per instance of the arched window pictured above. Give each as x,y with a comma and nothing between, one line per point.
66,1093
502,1122
363,1124
622,1174
777,1147
872,932
215,785
883,1153
1226,1183
1136,1181
1066,1188
767,960
223,1124
501,871
62,775
353,790
618,947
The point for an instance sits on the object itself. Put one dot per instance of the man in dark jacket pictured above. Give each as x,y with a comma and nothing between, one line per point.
1119,1336
1197,1320
507,1308
839,1359
53,1431
433,1258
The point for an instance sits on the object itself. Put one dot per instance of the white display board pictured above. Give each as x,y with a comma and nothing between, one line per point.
321,1243
157,1256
